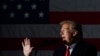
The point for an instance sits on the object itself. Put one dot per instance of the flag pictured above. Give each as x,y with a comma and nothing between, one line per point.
24,11
39,19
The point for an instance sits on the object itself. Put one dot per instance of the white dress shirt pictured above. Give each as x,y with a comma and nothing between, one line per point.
72,47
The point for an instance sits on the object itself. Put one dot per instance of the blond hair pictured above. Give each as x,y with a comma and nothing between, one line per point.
75,26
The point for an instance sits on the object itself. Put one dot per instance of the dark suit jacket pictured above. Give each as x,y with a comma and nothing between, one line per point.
81,49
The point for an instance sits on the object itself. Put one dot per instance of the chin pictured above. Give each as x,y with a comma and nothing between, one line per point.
67,42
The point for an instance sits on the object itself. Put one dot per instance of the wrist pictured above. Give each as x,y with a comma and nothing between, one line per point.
26,55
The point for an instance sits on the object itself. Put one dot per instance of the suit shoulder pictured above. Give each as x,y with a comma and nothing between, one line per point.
89,45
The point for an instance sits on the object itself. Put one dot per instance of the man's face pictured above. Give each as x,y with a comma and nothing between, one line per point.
67,33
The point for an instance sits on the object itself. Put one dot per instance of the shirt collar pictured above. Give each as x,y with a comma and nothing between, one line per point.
72,45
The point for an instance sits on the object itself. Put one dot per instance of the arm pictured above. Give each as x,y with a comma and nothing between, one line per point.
27,49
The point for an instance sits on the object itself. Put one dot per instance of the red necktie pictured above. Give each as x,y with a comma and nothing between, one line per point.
68,51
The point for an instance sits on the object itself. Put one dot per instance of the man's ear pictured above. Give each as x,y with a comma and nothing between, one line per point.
75,33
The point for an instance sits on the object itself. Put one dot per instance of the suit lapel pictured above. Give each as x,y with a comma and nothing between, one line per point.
76,50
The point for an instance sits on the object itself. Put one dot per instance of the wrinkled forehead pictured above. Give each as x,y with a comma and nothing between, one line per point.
66,27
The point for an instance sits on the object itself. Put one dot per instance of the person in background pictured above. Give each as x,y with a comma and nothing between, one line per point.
73,43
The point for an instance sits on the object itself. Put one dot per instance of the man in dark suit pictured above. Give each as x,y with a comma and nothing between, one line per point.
71,33
73,44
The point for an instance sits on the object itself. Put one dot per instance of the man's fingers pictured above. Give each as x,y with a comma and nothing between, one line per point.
28,41
32,48
24,41
22,44
26,38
